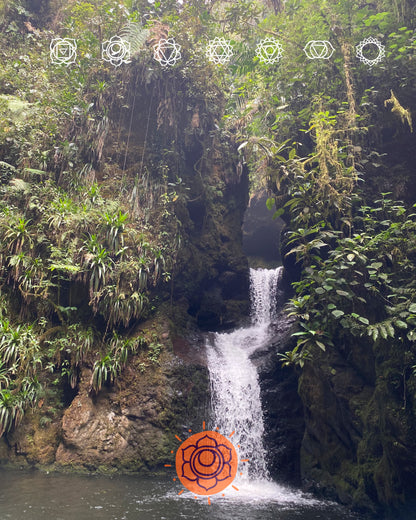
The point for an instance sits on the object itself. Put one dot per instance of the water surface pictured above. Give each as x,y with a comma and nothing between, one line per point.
32,495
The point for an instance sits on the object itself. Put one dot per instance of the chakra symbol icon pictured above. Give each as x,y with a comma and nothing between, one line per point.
319,49
370,42
206,463
63,51
167,52
116,51
269,50
219,51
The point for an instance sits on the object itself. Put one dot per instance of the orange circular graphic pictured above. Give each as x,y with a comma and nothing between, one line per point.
206,463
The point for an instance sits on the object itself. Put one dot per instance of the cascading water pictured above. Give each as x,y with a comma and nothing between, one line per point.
235,386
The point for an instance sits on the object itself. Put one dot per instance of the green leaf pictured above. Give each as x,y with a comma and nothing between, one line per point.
364,320
278,213
270,202
412,308
343,293
390,330
34,171
400,324
337,313
320,345
383,331
376,265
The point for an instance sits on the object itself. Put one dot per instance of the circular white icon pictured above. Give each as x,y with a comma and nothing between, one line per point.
319,49
367,42
116,51
219,51
167,52
63,51
269,50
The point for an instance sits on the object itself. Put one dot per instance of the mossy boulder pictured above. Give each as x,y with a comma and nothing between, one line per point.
359,445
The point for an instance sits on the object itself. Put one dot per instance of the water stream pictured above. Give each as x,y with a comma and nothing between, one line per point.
236,404
235,392
235,388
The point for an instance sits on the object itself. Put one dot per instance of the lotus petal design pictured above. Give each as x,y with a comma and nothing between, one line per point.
206,463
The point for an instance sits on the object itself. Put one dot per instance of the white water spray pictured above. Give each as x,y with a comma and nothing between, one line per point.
235,386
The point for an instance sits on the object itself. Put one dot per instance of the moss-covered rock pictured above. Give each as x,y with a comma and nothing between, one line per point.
129,427
359,446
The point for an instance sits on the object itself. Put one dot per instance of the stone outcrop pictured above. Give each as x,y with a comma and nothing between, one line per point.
359,445
282,407
130,426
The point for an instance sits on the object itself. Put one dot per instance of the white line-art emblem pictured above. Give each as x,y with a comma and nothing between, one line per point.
167,52
219,51
269,50
63,51
370,41
319,49
116,51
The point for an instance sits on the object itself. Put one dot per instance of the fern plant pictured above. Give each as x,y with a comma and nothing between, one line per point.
136,35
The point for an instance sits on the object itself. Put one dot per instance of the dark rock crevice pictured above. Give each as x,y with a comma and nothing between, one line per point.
282,407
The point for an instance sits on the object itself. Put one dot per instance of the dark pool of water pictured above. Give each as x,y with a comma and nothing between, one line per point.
32,495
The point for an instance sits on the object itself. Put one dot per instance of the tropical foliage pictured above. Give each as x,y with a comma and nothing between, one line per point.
94,185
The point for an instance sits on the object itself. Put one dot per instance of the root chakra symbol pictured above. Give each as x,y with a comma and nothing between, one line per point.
63,51
206,463
319,49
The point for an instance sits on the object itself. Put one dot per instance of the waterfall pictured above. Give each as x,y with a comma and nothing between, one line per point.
235,390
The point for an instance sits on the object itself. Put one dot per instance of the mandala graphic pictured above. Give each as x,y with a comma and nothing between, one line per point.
116,51
219,51
167,52
319,49
370,41
269,50
63,51
206,463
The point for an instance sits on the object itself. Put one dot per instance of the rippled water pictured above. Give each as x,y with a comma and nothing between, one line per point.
33,495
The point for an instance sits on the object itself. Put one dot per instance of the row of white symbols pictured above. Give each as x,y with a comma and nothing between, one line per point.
167,52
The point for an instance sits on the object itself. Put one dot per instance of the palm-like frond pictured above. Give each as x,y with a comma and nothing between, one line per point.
136,35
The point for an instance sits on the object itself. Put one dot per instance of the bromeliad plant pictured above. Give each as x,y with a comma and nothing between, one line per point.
110,365
97,262
114,224
20,362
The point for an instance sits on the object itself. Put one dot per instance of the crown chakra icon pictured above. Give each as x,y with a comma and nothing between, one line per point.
366,43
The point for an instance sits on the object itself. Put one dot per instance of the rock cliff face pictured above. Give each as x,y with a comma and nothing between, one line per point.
128,427
359,444
359,397
196,192
282,407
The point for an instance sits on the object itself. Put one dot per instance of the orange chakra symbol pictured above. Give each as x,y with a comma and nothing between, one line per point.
206,463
